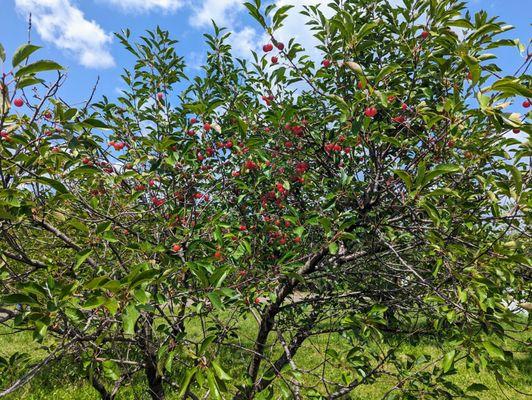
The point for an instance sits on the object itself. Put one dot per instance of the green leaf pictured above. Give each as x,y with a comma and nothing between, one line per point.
38,66
95,123
129,319
512,87
103,227
213,387
461,23
448,361
18,299
28,81
23,52
97,282
110,237
333,248
58,186
220,373
280,16
493,350
386,71
405,177
111,370
2,53
214,297
357,69
93,302
189,373
473,67
517,179
440,170
82,257
144,276
477,387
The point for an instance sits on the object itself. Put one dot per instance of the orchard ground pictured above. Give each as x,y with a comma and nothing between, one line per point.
64,381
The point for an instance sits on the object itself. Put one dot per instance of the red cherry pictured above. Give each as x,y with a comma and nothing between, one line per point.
18,102
160,96
275,60
425,34
360,85
191,132
218,254
297,240
526,103
228,144
469,75
370,112
176,247
400,119
391,99
280,46
326,63
242,228
267,47
257,300
86,161
193,120
207,126
250,164
515,130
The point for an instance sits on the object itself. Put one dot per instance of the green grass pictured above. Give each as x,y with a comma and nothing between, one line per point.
62,380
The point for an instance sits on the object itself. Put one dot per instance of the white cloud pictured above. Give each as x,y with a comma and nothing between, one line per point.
294,26
243,41
61,23
223,12
195,60
147,5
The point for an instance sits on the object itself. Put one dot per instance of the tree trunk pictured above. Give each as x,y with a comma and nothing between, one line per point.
155,381
100,388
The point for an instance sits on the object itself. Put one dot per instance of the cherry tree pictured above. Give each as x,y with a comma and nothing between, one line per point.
202,231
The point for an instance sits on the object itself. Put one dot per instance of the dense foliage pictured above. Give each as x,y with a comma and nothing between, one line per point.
379,195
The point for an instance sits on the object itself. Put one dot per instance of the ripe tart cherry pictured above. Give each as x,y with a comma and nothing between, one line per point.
370,112
176,247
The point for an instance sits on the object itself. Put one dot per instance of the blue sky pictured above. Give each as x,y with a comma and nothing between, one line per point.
79,33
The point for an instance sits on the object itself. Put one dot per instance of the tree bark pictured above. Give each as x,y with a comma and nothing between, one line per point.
155,381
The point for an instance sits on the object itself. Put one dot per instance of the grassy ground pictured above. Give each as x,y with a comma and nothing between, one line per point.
62,381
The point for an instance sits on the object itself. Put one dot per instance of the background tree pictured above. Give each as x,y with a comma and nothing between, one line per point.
376,198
